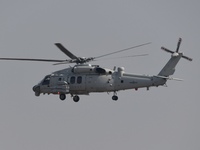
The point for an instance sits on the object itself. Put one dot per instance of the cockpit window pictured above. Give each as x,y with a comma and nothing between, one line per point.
46,80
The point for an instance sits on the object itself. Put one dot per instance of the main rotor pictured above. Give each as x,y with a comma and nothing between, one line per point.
75,59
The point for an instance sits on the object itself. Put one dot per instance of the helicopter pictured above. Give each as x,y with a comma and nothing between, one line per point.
84,78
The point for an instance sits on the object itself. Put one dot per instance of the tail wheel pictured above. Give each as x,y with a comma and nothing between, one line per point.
62,97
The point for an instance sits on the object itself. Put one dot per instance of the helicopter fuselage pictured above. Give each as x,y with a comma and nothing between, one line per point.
85,78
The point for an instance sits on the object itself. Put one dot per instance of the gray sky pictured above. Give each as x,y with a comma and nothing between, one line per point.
162,118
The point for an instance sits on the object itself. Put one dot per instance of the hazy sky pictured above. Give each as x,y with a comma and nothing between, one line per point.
161,118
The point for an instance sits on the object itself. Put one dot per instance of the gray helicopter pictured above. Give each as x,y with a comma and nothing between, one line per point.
84,78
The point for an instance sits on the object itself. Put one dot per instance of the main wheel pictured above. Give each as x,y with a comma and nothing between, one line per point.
114,97
76,98
62,97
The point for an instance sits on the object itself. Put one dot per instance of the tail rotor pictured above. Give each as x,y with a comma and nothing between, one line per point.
176,53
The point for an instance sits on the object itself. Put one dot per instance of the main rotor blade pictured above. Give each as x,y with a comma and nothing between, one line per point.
134,55
27,59
65,62
122,57
64,50
122,50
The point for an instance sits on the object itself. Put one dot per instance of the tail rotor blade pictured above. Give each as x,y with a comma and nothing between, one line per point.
177,49
188,58
178,45
167,50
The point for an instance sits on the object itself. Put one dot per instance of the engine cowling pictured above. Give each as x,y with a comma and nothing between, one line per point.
90,69
83,69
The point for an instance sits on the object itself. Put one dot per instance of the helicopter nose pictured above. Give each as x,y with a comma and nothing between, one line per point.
36,88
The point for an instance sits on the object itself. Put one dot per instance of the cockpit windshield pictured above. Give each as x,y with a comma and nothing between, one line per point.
46,80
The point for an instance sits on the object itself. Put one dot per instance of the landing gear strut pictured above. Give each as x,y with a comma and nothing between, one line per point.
62,97
76,98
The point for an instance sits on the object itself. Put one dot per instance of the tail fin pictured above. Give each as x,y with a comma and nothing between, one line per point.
169,68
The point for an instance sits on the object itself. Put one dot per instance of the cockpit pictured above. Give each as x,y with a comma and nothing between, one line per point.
46,80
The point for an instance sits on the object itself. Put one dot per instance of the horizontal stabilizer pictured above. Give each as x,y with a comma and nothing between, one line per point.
169,78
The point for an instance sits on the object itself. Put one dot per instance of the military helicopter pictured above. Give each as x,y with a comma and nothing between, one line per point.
84,78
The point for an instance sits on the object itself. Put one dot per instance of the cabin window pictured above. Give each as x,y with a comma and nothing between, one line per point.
79,79
72,80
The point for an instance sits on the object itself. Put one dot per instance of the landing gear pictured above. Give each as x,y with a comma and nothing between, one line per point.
76,98
115,97
62,97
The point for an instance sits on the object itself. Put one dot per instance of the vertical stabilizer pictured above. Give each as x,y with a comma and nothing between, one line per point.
169,68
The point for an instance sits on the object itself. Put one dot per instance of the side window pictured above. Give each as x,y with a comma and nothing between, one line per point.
79,79
72,80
